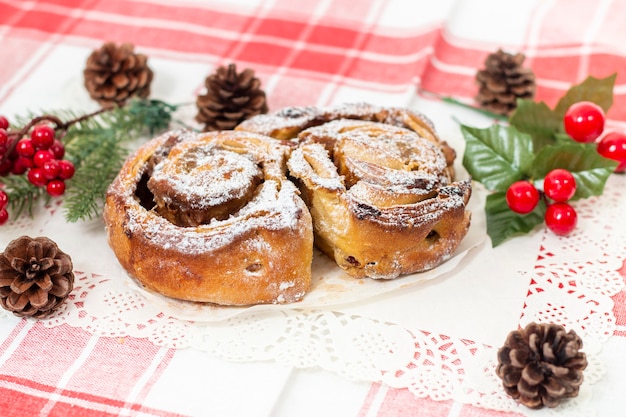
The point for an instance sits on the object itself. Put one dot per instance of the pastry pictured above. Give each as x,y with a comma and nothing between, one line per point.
212,218
378,183
230,217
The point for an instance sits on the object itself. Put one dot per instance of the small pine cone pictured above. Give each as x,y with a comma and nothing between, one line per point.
114,74
503,81
35,277
541,365
230,98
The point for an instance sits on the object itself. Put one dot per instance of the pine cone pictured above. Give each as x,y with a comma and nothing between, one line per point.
503,81
541,364
35,276
115,73
230,99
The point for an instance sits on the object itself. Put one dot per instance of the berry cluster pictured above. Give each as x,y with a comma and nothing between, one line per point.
584,122
38,155
559,185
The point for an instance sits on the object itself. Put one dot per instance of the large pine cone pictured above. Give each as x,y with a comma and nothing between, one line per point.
35,276
230,98
503,81
541,365
114,74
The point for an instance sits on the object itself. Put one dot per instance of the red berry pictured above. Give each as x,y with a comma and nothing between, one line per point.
51,169
4,200
25,148
4,138
27,162
613,146
561,218
6,167
4,216
4,122
522,197
559,185
55,188
584,121
20,166
67,169
42,156
36,177
58,149
42,136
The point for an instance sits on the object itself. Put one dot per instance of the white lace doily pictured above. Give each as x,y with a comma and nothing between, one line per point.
571,283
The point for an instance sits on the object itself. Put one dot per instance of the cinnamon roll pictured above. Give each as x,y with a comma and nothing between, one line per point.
378,183
212,218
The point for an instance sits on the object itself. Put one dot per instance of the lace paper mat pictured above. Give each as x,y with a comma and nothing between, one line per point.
571,283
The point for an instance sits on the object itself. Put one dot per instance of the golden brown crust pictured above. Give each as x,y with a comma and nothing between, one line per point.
212,217
287,123
378,183
261,253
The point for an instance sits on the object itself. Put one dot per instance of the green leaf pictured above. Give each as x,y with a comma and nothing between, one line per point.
596,90
534,145
538,120
562,137
497,156
590,169
503,223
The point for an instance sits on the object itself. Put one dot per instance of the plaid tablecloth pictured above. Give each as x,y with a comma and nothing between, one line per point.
306,52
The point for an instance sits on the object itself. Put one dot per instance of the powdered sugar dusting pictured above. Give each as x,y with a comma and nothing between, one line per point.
422,213
288,122
202,175
271,209
324,175
275,204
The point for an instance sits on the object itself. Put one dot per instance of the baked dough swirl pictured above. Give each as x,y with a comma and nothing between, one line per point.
288,122
378,183
211,217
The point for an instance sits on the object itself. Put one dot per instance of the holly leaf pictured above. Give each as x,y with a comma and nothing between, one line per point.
538,120
562,137
596,90
534,144
503,223
589,168
497,156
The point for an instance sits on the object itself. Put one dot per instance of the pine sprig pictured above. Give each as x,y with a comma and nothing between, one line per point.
97,145
97,170
98,148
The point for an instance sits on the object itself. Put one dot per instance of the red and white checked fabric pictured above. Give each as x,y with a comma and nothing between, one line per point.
307,52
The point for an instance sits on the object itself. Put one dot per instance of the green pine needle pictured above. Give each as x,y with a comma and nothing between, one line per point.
86,195
97,147
484,112
22,194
